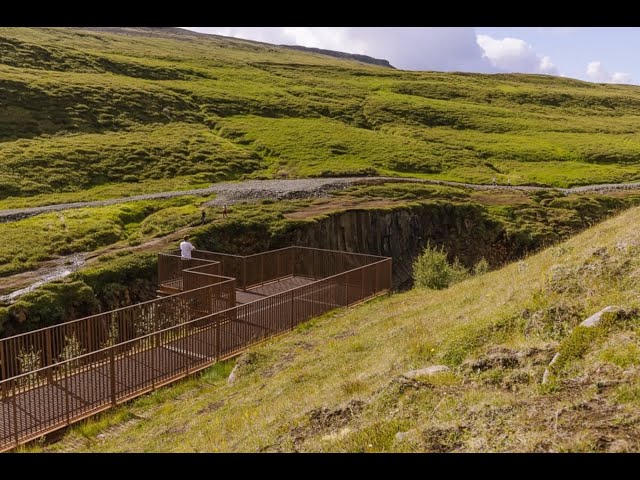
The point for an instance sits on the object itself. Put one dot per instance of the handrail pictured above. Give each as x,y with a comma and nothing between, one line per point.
183,325
30,332
213,328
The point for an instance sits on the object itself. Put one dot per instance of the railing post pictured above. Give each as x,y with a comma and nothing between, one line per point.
90,335
154,346
375,279
362,283
112,369
218,337
3,362
186,363
390,270
292,300
244,273
292,264
66,392
15,413
49,354
346,289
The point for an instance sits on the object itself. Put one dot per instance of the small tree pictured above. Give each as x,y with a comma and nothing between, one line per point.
432,269
112,332
29,360
72,349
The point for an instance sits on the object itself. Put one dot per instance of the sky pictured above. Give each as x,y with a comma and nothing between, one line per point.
595,54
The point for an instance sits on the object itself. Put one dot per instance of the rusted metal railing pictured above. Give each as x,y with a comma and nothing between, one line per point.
52,381
207,293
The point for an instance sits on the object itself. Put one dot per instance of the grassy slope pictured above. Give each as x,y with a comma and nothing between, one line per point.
82,109
335,383
123,238
49,235
88,115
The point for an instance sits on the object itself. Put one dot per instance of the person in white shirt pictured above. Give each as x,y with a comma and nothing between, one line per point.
186,247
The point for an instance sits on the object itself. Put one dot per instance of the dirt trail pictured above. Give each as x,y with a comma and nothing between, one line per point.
50,271
233,192
16,285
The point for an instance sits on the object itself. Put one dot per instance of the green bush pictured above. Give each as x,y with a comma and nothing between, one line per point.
51,304
4,317
122,280
481,267
432,269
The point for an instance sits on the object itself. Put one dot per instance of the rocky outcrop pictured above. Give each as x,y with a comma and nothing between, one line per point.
465,231
591,322
547,372
347,56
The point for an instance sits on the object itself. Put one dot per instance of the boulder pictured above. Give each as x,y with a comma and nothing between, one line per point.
426,372
594,319
547,372
233,376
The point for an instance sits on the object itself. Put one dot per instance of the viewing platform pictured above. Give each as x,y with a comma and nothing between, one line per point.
210,308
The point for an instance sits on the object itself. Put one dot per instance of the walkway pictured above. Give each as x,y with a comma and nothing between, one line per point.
91,364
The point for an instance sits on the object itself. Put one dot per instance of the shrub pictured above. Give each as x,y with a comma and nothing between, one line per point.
4,317
481,267
51,304
122,280
432,269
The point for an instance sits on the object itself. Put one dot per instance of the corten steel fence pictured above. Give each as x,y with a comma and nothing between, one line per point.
253,270
248,270
185,333
46,346
171,268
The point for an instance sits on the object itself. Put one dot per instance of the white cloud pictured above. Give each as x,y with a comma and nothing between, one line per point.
412,48
332,38
621,77
515,55
546,66
426,48
597,73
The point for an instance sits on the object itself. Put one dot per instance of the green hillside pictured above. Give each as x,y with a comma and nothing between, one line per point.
104,113
337,383
89,114
85,108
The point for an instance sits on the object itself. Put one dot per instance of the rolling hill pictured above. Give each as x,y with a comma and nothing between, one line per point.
81,108
100,113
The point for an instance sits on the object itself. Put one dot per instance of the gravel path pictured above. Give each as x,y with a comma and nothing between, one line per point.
232,192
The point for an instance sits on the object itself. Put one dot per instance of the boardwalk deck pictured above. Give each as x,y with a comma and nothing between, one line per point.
62,392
